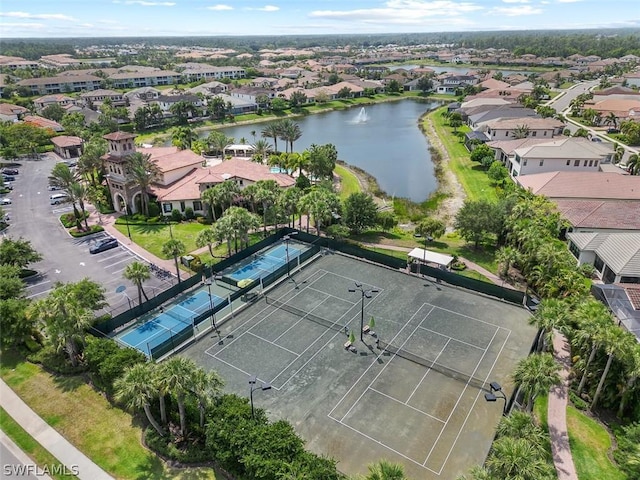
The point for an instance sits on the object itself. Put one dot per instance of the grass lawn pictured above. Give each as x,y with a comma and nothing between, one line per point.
28,444
107,435
471,175
151,236
590,444
348,182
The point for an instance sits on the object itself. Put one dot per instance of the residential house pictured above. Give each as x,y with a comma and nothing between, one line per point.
144,94
42,122
479,115
98,97
192,72
209,89
167,101
451,83
12,113
67,147
43,102
127,79
61,84
615,256
509,128
251,94
559,154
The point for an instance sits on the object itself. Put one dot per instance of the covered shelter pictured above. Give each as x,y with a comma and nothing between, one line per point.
421,255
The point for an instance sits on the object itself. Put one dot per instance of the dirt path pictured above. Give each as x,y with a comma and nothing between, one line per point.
449,184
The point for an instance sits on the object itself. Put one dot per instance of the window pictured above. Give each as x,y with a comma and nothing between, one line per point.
568,162
598,264
534,134
585,163
541,162
576,163
544,134
590,163
167,207
595,164
182,206
197,205
524,164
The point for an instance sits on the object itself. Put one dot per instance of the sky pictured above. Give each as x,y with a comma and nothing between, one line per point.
117,18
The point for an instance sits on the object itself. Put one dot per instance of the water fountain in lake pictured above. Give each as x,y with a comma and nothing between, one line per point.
362,116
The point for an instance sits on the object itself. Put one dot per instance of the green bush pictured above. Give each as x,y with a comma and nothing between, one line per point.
139,217
176,215
188,213
204,220
196,263
106,361
578,402
154,209
628,452
154,220
75,233
54,361
69,219
190,452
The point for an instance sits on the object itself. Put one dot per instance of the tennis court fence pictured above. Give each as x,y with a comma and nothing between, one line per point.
306,315
431,364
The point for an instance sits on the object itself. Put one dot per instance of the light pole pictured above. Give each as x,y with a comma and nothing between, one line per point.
126,216
207,282
364,294
287,239
495,393
253,387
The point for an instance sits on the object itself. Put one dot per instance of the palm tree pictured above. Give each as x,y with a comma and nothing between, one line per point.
182,137
78,192
90,162
144,171
241,221
288,201
272,130
249,196
321,204
267,192
551,313
631,359
223,231
178,373
613,342
536,374
289,132
138,273
261,150
206,237
611,119
519,458
211,198
385,470
227,192
633,164
506,256
205,386
134,389
521,131
174,248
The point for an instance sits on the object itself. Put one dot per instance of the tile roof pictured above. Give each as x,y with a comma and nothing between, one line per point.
116,136
634,296
601,214
531,122
66,141
567,148
10,109
43,122
583,185
171,158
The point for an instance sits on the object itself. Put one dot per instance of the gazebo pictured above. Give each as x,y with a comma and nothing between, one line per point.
440,260
239,150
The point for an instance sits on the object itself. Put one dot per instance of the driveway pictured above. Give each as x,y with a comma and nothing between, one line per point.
66,259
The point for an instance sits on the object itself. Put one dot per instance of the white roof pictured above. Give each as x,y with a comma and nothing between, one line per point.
431,257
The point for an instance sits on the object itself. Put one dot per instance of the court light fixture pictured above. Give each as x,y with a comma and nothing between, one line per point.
365,293
253,386
495,393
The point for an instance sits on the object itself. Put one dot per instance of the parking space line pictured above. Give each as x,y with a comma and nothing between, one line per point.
115,263
122,252
39,293
39,283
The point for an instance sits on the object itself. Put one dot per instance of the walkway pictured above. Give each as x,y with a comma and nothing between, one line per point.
46,436
557,412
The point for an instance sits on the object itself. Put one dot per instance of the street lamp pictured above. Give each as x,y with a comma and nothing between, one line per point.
287,239
253,387
207,282
495,393
364,294
126,216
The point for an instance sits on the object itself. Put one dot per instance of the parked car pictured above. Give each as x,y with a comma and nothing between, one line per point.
8,178
5,201
10,171
104,244
53,187
58,198
7,185
613,130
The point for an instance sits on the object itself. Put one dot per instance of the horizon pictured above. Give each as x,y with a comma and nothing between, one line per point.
43,19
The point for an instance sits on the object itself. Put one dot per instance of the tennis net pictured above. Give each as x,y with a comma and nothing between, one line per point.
306,315
179,315
446,371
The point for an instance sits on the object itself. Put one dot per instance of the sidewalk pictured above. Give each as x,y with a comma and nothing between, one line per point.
557,412
46,436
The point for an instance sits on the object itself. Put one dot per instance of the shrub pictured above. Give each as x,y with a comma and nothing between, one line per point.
191,452
176,215
204,220
628,453
154,209
196,263
75,233
54,361
139,218
106,361
578,402
188,213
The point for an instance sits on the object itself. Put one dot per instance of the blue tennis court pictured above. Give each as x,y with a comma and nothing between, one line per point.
170,322
265,263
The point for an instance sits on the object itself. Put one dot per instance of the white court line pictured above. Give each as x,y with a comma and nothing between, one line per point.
249,332
454,338
474,404
428,370
460,398
332,296
472,318
405,404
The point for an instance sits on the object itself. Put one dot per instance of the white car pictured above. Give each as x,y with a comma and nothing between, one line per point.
5,201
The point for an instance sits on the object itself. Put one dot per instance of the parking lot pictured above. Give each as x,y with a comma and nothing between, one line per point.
67,259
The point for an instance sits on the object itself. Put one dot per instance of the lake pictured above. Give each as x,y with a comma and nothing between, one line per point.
383,139
457,70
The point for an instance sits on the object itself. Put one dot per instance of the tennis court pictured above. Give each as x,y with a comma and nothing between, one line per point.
412,391
261,265
166,323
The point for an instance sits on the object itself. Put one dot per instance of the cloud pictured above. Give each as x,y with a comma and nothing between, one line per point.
37,16
569,1
515,1
220,7
414,12
144,3
266,8
516,11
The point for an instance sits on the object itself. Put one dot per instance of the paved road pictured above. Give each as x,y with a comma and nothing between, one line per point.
65,259
561,103
16,463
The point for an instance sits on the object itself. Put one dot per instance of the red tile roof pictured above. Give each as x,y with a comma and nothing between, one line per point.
583,185
601,214
66,141
115,136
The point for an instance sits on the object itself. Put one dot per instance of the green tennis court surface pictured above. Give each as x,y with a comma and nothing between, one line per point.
412,393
